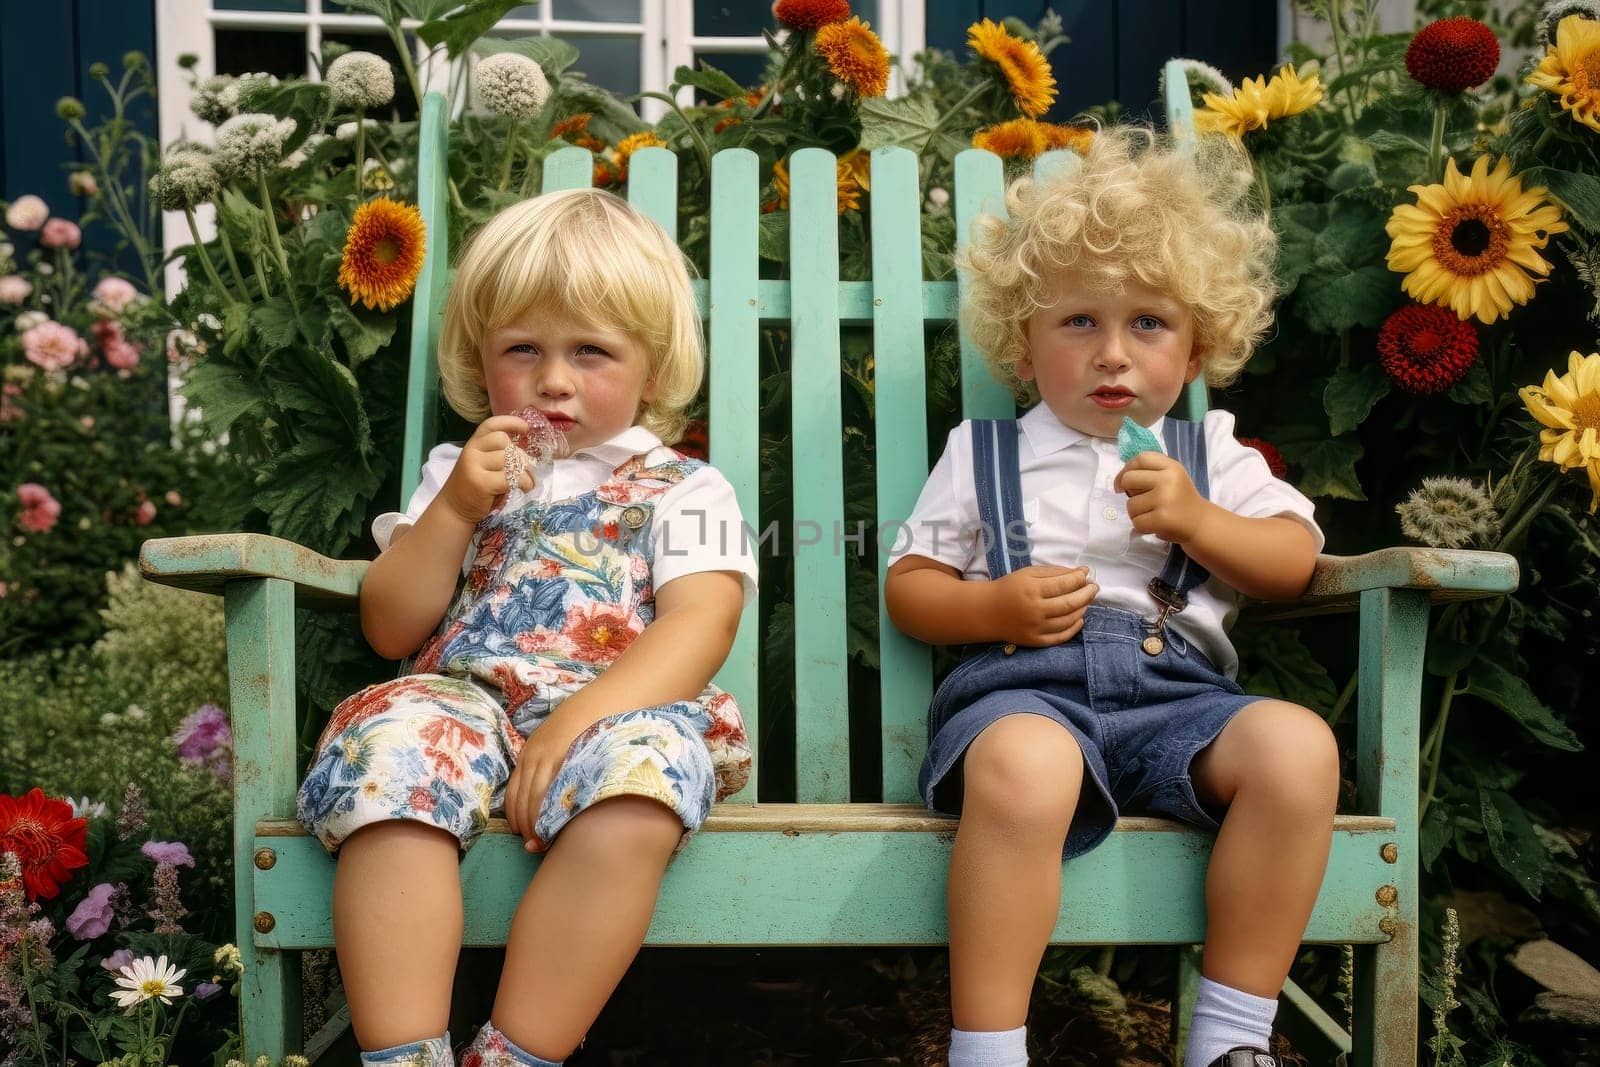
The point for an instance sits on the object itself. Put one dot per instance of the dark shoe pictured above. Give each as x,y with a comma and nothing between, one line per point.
1245,1056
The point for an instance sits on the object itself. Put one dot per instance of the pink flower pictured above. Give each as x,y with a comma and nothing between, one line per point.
113,295
146,513
14,289
172,853
173,498
87,422
117,960
39,509
122,355
60,233
9,412
92,917
53,346
27,213
206,990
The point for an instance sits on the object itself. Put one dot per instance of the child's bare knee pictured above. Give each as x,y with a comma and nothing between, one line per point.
1295,756
1025,771
627,825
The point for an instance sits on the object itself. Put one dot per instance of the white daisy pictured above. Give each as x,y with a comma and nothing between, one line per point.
145,978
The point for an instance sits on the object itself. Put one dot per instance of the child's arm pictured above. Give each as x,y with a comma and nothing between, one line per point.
1265,558
697,616
408,588
1035,606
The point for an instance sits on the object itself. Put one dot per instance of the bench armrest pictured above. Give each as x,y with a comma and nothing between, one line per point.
207,561
1445,574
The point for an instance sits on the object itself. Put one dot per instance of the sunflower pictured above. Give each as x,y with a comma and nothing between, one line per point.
1569,408
383,253
1025,68
571,126
855,56
1026,138
1469,244
1258,102
858,161
631,144
811,14
849,188
1571,69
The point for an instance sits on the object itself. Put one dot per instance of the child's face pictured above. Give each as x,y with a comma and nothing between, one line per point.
1097,356
589,381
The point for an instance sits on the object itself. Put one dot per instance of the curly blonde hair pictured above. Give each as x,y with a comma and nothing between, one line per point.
1178,220
588,255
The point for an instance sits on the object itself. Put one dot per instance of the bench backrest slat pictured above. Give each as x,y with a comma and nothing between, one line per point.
900,419
980,190
735,389
822,725
427,305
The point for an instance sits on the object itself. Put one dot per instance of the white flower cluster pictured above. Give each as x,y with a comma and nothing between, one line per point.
186,179
511,84
219,97
361,80
1449,513
249,141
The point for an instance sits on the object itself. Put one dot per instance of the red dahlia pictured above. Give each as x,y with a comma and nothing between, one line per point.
1269,451
1453,55
811,14
1427,349
47,841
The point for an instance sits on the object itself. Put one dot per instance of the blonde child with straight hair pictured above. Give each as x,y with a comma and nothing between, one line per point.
1094,585
562,638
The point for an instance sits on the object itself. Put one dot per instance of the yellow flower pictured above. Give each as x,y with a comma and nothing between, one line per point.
383,253
1025,138
631,144
1258,102
1025,68
1569,406
859,162
849,188
1571,69
1469,244
855,56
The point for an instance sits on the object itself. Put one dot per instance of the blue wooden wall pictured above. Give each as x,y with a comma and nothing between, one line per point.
46,48
1117,47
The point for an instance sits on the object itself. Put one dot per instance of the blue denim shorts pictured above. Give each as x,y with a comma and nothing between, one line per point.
1140,719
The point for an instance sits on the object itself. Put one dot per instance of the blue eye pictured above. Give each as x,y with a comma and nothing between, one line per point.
1080,320
593,350
1149,322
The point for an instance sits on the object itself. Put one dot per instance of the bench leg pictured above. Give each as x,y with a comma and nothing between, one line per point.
1386,1001
269,1003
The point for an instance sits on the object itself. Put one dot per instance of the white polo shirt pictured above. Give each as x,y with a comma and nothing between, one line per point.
697,525
1075,518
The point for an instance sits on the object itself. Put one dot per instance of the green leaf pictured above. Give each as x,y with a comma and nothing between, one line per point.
1274,662
371,7
1297,226
911,121
1436,831
363,335
1350,395
1342,280
457,31
303,500
245,218
308,381
1475,388
1512,839
710,79
425,10
551,53
1328,468
1491,682
274,323
223,394
1578,193
773,238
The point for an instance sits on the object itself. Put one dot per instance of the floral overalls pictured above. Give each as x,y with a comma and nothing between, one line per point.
555,593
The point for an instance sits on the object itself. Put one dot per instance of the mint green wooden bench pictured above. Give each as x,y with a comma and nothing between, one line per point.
821,870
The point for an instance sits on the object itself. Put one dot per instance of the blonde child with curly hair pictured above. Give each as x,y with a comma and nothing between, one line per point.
1094,590
564,623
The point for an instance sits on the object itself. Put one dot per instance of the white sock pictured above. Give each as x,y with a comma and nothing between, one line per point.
989,1048
1225,1018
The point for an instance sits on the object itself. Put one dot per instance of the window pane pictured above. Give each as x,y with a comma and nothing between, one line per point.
611,62
259,5
405,101
246,51
740,18
597,10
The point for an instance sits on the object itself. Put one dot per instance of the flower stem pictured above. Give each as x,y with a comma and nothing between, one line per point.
960,106
701,149
399,39
1436,143
1343,702
361,147
1336,23
1530,513
233,262
205,257
511,152
1433,747
1544,139
277,249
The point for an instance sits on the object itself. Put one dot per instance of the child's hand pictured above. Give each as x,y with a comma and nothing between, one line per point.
1042,605
477,484
537,764
1161,498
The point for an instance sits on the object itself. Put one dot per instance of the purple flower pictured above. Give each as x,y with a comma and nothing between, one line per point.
174,853
117,960
94,913
206,990
205,739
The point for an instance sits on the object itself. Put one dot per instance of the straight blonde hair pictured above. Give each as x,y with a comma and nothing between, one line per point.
587,255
